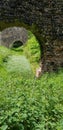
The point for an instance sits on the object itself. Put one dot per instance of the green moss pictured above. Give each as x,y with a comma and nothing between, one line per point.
4,24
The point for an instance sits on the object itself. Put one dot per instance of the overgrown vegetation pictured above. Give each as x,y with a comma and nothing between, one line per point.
31,50
27,103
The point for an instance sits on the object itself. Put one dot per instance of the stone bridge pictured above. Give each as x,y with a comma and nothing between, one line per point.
12,34
45,19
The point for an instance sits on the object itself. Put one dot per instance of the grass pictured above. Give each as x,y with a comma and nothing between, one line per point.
27,103
31,50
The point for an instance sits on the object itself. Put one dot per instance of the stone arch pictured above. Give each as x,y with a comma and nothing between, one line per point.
46,16
12,34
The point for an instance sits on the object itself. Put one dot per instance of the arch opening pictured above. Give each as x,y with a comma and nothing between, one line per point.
17,44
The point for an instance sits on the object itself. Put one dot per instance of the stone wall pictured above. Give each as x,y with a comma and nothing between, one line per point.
47,18
12,34
53,56
46,14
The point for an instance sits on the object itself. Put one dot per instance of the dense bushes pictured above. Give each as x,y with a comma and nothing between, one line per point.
27,103
31,104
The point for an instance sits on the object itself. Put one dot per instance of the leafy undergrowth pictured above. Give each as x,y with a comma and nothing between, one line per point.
31,104
27,103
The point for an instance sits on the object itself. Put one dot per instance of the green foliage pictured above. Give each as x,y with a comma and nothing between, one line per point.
31,104
18,64
4,53
27,103
31,50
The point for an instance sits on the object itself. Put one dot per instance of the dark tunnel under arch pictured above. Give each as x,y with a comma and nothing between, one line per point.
17,44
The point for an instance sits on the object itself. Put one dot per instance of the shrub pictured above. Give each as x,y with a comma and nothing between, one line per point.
31,104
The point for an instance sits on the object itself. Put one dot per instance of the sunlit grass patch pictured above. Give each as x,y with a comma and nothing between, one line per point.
18,64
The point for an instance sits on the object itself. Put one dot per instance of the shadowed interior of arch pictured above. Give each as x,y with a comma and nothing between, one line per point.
17,44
